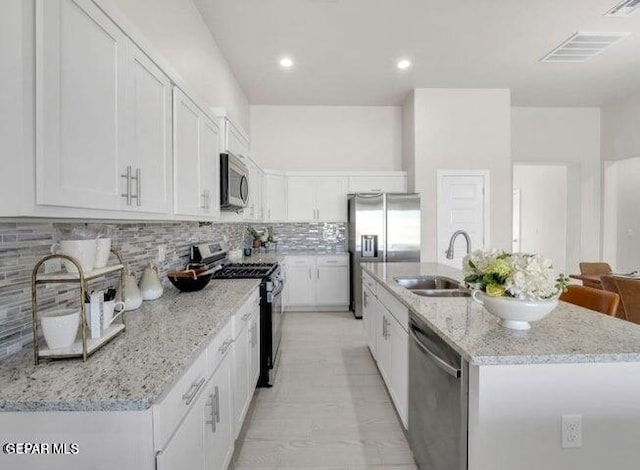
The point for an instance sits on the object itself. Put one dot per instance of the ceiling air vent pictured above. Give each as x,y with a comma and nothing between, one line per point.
583,46
624,9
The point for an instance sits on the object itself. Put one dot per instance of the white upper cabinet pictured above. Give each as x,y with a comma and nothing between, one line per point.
275,202
81,97
103,132
392,183
150,126
234,139
316,198
253,209
196,160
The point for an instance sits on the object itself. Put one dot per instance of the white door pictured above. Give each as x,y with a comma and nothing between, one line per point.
188,198
369,318
461,206
331,199
209,167
399,367
186,447
218,421
383,347
254,353
332,285
81,72
150,128
241,396
300,199
275,203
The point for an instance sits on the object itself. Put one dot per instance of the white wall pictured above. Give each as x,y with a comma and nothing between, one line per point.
620,136
543,211
409,141
178,32
463,129
326,137
568,136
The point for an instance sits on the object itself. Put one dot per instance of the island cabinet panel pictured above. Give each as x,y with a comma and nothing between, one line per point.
515,412
106,440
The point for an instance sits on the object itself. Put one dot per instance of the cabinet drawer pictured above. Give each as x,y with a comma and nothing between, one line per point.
368,281
219,348
394,306
333,260
241,317
300,260
171,409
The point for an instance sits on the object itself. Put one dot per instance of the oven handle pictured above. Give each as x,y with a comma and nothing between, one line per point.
272,295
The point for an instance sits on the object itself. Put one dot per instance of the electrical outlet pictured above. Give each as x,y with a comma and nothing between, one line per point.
52,266
571,431
162,253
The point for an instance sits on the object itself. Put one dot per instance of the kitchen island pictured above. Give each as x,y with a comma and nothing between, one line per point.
575,362
124,404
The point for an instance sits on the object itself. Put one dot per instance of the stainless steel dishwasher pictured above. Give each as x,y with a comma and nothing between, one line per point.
438,401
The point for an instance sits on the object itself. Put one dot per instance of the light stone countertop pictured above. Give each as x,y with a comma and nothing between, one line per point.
570,334
138,367
278,256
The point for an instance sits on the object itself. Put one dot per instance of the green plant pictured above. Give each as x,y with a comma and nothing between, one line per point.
253,232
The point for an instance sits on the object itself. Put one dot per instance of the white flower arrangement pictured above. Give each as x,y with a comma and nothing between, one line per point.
519,275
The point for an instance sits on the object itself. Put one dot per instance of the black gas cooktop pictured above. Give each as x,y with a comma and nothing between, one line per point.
245,271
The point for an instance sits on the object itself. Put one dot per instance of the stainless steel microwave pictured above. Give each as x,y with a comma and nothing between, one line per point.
234,182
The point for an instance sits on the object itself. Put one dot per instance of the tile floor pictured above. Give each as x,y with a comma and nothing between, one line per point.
329,408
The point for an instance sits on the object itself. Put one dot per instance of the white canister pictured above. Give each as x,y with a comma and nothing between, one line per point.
60,327
103,249
83,251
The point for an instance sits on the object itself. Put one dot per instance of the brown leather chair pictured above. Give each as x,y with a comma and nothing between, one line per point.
629,290
594,268
594,299
609,284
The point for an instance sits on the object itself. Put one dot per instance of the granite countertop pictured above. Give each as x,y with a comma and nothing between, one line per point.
570,334
136,368
277,256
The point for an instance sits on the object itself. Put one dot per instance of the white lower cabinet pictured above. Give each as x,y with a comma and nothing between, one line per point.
317,282
385,322
218,420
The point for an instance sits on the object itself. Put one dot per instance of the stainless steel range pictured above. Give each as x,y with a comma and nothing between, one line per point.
271,313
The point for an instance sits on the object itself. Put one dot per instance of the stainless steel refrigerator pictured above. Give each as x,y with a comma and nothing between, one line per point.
383,227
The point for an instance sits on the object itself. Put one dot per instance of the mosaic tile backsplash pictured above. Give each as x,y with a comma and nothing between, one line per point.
23,243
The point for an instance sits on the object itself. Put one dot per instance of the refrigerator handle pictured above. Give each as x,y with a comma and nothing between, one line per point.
369,195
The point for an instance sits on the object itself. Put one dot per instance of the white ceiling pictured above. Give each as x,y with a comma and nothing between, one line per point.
345,51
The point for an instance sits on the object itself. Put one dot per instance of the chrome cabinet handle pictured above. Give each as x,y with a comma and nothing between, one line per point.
318,217
193,391
364,299
217,402
246,316
212,415
309,273
269,214
317,273
138,185
225,346
127,194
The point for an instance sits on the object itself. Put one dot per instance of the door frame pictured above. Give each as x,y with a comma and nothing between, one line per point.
486,174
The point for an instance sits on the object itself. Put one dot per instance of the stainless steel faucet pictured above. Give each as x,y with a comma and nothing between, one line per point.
452,242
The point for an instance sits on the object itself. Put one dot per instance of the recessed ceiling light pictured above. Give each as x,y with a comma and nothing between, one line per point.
404,64
286,62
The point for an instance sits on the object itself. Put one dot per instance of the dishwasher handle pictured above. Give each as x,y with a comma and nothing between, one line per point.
442,364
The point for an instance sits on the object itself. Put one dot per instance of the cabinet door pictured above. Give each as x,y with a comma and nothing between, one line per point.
218,420
378,184
254,353
241,365
398,367
331,199
383,347
150,146
187,446
252,211
369,319
81,72
188,198
332,285
209,168
275,202
300,284
300,199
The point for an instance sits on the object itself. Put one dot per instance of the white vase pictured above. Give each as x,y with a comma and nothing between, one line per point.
515,313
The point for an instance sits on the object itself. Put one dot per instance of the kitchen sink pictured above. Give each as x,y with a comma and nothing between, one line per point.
433,286
428,283
441,292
